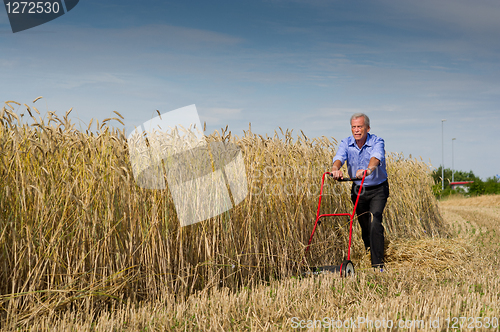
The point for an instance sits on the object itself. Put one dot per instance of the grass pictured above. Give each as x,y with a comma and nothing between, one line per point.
81,244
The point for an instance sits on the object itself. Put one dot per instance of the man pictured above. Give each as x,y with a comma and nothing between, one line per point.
364,151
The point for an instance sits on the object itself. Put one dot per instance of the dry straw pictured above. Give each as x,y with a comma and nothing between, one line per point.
437,254
77,232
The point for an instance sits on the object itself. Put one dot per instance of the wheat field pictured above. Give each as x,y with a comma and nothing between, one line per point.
83,247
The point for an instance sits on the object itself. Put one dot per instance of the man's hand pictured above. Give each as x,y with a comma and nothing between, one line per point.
360,172
337,174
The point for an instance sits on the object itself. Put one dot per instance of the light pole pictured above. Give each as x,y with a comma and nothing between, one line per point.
452,162
442,153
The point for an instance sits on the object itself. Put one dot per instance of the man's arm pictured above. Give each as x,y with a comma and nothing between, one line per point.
338,160
372,165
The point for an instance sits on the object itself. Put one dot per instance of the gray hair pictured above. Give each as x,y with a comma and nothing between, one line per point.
359,115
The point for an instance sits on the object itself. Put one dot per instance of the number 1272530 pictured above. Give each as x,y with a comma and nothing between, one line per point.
32,7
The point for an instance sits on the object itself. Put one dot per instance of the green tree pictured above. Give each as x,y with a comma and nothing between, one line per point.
488,187
477,188
492,186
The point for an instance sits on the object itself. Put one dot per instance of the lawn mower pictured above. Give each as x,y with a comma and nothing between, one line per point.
347,267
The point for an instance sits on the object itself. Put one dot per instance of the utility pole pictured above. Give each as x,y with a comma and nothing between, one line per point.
452,162
442,153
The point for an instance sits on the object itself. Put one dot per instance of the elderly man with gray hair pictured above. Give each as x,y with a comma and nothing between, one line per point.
364,151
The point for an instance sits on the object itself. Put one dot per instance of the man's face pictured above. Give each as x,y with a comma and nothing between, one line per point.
359,129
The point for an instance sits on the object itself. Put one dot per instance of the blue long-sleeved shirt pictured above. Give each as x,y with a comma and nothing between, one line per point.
360,158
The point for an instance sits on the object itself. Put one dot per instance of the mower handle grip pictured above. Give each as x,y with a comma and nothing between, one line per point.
345,179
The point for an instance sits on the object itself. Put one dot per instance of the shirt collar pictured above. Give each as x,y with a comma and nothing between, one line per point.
352,140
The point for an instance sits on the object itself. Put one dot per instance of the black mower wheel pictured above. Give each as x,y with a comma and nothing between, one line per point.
347,269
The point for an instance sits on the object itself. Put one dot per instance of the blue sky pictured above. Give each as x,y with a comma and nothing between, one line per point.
278,63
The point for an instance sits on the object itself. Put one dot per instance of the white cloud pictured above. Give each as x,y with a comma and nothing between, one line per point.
97,78
216,116
4,63
4,19
180,36
479,16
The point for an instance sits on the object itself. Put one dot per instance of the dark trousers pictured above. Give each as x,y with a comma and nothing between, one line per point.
370,207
